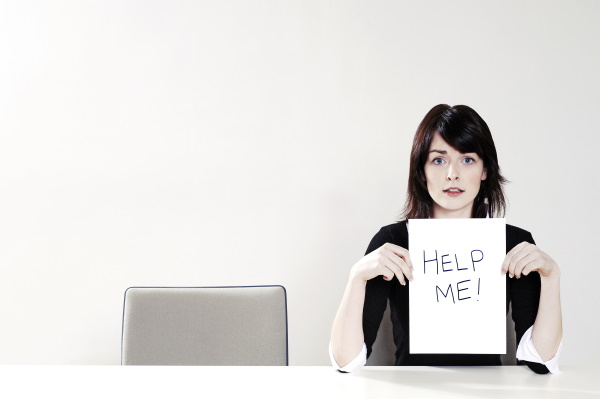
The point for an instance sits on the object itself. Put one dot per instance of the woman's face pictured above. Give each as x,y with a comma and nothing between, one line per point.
453,179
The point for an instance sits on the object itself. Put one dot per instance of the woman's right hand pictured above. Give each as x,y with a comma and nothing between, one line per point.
388,261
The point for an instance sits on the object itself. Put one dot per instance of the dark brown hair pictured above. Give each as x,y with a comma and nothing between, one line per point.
462,128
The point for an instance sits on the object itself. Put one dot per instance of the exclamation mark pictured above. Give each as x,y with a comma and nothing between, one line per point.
478,286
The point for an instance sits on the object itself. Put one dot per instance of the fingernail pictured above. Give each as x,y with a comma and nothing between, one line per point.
510,275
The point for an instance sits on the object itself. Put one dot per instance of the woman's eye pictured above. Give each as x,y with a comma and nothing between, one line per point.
438,161
469,161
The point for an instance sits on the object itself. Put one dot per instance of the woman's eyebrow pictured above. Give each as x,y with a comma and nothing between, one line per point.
440,151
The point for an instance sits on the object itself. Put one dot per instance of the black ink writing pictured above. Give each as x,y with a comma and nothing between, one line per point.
473,259
445,263
437,271
457,266
461,289
449,290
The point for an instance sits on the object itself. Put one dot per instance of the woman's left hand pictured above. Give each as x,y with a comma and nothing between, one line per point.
526,258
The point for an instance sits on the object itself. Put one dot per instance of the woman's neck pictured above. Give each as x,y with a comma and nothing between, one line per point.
441,213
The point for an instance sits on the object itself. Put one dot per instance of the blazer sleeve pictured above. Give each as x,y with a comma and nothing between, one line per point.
525,297
376,294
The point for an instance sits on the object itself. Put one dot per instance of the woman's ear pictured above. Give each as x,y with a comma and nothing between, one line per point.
484,175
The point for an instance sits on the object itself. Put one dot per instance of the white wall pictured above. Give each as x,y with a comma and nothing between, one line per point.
265,142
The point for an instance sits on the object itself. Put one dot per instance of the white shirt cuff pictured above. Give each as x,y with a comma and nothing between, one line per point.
356,363
526,351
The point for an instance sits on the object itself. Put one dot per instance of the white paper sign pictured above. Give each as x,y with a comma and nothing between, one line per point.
458,296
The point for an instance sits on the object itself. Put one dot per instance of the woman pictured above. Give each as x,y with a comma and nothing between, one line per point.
454,173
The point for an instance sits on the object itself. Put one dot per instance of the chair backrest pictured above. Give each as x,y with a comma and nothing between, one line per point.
383,352
205,326
510,358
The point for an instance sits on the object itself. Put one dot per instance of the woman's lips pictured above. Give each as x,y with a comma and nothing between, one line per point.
453,191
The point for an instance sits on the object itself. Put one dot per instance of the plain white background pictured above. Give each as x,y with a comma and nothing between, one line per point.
265,142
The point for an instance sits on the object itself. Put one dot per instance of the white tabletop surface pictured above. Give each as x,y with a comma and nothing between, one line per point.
296,382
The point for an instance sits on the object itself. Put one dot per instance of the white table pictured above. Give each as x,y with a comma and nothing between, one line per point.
296,382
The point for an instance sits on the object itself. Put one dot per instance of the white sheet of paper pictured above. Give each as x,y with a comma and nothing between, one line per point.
458,296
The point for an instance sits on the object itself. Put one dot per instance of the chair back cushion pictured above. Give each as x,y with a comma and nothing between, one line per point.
205,326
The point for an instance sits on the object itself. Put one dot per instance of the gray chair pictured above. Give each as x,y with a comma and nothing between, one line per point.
231,326
383,352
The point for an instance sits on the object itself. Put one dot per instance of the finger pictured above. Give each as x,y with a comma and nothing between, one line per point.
405,270
531,267
513,252
524,261
398,261
516,263
512,256
387,274
509,256
388,264
402,252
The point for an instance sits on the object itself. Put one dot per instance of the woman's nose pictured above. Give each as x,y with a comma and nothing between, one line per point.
452,175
